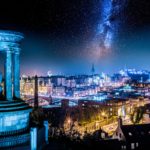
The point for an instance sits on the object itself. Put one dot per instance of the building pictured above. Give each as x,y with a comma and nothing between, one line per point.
45,86
14,113
133,136
15,130
59,91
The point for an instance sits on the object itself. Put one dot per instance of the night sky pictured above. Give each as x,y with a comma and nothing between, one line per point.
64,35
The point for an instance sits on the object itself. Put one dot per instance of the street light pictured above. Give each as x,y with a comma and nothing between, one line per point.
103,114
69,120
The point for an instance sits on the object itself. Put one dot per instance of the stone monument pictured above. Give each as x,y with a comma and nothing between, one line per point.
14,113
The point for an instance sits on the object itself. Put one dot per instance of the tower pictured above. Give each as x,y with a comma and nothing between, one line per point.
36,92
93,69
14,113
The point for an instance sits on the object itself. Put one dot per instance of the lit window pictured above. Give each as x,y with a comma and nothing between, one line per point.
130,133
123,147
132,146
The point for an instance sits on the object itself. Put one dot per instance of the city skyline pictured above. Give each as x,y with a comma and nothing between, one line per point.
74,74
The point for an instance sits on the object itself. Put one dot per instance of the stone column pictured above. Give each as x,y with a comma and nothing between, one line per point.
46,125
16,74
8,75
33,138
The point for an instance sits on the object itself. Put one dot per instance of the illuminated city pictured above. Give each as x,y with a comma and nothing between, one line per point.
75,75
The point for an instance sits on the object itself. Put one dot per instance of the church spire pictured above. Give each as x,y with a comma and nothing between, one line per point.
93,69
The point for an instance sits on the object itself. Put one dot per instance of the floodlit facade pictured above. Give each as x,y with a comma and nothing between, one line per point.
14,113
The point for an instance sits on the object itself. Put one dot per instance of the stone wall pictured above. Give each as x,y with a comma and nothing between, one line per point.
14,140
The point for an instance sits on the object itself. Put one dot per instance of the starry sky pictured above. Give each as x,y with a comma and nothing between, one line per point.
65,36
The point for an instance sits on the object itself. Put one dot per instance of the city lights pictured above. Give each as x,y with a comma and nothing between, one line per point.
76,76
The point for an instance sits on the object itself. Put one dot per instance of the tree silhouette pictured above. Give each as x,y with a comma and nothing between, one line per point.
137,115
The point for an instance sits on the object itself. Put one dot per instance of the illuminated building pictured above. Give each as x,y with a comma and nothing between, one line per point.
14,113
83,87
58,80
27,86
59,91
71,82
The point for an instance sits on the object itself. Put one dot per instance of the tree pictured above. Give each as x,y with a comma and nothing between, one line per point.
37,117
137,115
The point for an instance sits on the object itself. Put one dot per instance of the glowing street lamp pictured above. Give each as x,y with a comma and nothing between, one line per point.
69,121
103,113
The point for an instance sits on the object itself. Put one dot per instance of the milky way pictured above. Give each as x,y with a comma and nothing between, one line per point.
109,24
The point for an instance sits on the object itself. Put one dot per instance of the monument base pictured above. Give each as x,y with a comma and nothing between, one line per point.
14,123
